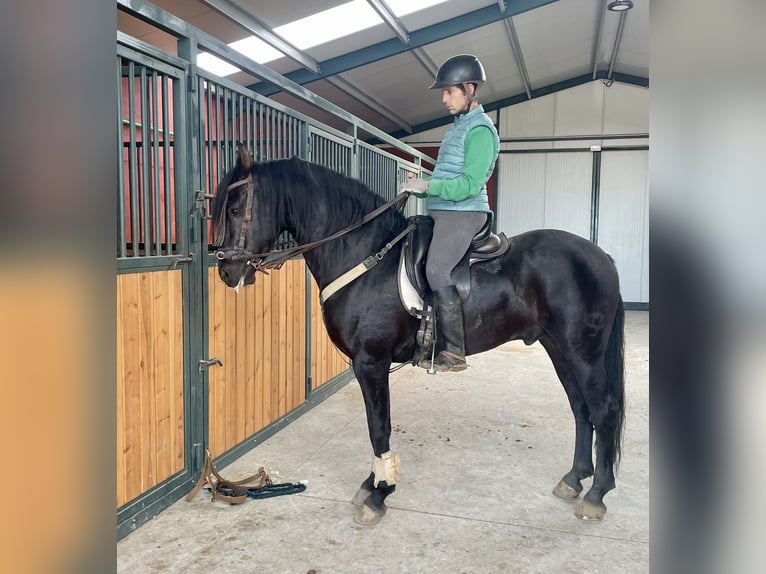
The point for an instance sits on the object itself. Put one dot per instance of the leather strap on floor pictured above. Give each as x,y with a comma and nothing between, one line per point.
258,485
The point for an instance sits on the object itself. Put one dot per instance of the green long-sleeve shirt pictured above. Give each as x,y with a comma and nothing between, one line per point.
480,150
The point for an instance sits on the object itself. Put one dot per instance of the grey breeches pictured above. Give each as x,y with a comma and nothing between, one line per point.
453,232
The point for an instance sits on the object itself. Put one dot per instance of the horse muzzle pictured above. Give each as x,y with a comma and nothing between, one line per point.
236,270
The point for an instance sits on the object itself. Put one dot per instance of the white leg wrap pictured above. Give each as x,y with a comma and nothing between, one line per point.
385,467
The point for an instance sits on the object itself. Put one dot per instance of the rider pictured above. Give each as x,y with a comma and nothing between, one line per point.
457,197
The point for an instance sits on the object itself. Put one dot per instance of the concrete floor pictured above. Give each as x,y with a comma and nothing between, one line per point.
480,453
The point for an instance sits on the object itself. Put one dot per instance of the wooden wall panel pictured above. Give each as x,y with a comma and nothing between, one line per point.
150,406
259,335
326,360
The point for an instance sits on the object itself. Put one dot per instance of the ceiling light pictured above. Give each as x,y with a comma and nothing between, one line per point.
620,5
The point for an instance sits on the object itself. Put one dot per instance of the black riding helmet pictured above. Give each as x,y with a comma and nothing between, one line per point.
460,70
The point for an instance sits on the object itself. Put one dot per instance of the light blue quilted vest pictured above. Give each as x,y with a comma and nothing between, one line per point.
451,158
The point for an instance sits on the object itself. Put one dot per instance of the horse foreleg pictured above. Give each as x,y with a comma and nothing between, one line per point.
372,375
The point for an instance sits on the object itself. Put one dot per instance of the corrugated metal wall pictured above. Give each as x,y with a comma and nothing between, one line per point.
550,190
623,229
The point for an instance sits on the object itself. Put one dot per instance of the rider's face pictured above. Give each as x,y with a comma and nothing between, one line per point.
455,100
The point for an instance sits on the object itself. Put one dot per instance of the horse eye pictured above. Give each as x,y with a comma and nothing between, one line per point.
235,211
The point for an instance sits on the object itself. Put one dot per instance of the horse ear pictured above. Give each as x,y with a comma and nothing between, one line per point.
244,157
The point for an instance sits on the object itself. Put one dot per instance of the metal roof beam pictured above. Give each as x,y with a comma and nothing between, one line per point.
617,40
418,38
260,30
522,97
597,48
426,61
400,29
343,84
391,19
510,31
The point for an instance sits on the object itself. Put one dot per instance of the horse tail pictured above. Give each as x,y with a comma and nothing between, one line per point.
614,362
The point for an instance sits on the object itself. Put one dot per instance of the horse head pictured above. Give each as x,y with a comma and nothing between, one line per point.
244,221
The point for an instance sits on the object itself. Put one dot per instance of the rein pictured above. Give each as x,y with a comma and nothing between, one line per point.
278,257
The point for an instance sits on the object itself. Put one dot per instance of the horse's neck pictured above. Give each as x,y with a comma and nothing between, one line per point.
329,261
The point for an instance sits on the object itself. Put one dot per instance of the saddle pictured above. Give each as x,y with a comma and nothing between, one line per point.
413,284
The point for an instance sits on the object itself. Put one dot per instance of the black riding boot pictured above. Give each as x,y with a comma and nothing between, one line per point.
450,334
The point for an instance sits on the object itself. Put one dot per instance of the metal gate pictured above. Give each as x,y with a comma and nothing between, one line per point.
158,396
200,365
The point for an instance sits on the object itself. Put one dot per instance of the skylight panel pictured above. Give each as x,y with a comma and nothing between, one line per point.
313,30
215,65
330,24
404,7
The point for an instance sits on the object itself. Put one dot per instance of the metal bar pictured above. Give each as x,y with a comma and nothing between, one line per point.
218,132
190,238
617,40
146,164
597,47
156,198
510,29
225,146
390,19
149,50
595,195
269,147
133,160
209,139
574,138
574,149
263,32
245,112
425,61
120,167
166,172
242,122
309,303
520,98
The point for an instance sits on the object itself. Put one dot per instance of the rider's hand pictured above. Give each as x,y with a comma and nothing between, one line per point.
418,187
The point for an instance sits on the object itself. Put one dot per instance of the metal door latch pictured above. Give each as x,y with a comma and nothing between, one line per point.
200,199
204,364
178,260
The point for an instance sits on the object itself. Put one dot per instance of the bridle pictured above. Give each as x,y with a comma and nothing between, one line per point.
239,253
275,259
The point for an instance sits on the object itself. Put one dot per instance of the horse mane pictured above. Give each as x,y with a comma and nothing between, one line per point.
346,200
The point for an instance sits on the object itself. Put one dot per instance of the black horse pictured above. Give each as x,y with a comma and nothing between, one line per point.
550,286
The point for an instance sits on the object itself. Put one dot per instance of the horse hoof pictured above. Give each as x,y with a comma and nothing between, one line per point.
563,490
588,510
360,497
366,516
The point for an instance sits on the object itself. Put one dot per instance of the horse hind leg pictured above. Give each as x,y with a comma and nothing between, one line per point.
570,486
606,414
603,386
